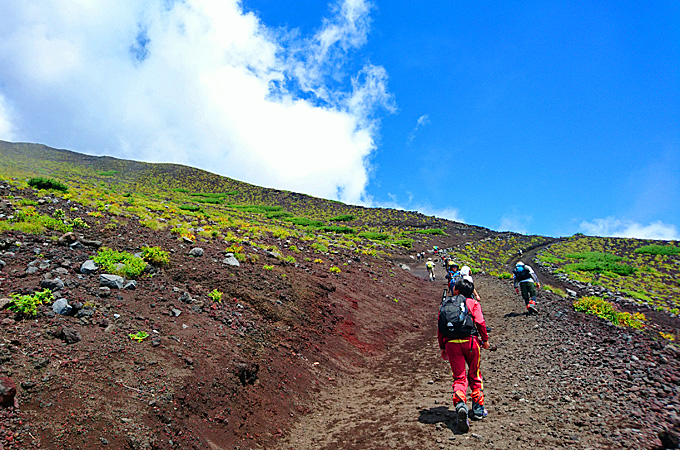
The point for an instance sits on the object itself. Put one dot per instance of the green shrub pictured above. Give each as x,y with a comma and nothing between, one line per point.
343,218
28,304
554,290
216,296
406,243
139,336
602,308
658,250
80,223
110,259
319,247
47,183
278,215
336,229
155,255
108,173
504,276
334,269
599,263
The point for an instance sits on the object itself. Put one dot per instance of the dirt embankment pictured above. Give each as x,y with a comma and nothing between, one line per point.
555,380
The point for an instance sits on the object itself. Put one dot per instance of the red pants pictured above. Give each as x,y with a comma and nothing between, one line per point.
461,352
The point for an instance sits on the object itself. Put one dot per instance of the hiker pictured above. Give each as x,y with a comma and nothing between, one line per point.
452,274
466,274
524,278
461,332
430,268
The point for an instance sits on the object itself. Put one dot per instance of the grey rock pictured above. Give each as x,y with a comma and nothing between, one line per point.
197,251
571,293
112,281
231,261
104,291
186,298
77,246
68,239
53,285
130,285
405,267
85,312
62,307
2,263
88,267
31,270
175,312
91,243
70,336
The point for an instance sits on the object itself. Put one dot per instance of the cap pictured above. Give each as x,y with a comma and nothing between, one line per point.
465,271
519,264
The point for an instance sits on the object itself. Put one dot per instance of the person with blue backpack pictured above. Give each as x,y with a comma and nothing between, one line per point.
525,278
461,333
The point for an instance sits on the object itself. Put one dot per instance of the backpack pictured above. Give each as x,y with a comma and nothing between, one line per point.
521,275
455,320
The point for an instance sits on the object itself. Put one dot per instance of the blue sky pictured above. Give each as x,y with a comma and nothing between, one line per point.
538,117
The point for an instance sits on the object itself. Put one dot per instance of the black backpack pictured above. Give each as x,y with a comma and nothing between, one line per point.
455,320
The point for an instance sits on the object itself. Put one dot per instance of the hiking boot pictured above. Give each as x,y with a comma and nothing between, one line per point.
462,414
532,308
478,412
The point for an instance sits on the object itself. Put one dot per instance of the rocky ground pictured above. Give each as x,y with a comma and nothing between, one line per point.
298,357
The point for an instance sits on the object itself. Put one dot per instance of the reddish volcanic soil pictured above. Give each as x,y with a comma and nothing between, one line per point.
297,357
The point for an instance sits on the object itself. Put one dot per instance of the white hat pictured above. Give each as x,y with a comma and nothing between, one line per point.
519,264
468,277
465,270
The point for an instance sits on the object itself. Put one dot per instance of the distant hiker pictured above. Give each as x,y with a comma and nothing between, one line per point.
430,268
524,278
466,274
460,332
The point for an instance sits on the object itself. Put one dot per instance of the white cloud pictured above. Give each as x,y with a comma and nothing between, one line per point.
613,227
6,128
196,82
516,222
422,121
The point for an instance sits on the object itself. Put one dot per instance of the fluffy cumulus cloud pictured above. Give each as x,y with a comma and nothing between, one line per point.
196,82
613,227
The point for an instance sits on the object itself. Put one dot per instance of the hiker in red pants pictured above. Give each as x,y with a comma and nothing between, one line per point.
461,333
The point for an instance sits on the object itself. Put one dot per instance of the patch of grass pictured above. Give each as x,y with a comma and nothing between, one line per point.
406,243
120,263
192,208
156,256
504,276
334,269
432,231
108,173
303,221
336,229
554,290
342,218
374,235
598,262
602,308
658,250
47,184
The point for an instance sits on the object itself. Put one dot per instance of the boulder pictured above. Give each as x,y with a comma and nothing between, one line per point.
62,307
197,251
88,267
53,285
231,261
130,285
112,281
